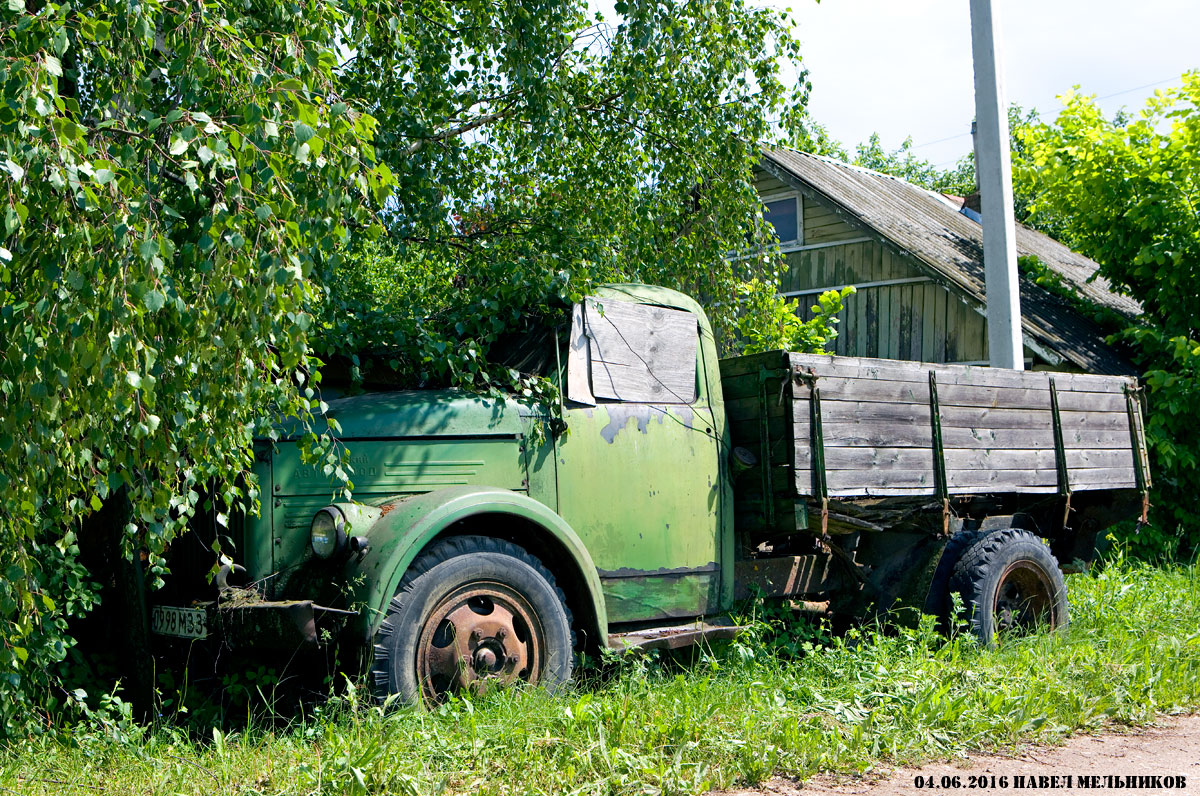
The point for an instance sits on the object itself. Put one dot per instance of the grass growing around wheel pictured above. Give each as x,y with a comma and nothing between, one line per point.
787,702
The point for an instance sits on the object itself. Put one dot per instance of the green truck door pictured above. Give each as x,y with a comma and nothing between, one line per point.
637,470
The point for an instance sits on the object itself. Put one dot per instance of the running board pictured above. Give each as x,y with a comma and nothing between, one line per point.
673,637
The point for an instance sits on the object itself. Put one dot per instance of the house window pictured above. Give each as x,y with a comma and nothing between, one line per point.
783,213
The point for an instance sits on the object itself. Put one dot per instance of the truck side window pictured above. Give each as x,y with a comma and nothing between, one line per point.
621,351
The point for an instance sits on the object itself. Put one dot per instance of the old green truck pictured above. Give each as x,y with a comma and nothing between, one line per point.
491,541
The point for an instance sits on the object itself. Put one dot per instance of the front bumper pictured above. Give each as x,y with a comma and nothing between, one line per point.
257,623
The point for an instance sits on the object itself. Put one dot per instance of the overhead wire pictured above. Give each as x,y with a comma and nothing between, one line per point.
1098,99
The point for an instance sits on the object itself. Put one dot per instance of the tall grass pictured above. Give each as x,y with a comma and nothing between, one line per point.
779,700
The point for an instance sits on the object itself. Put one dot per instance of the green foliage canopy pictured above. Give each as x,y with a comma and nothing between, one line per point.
546,155
1126,192
905,164
174,174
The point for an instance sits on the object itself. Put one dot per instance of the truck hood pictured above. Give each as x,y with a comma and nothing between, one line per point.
423,413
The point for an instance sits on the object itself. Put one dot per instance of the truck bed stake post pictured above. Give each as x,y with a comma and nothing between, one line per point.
939,453
1141,470
818,436
1060,455
764,458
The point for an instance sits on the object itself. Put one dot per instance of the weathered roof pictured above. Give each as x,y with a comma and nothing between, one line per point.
930,227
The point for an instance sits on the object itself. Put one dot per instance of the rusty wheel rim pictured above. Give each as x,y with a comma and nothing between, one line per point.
1024,599
479,636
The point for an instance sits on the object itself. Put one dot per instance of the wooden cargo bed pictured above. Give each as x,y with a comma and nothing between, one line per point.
892,428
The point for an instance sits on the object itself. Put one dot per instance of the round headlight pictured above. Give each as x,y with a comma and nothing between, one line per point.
328,531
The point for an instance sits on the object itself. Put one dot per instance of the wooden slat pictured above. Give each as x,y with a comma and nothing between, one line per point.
972,417
768,183
972,459
1103,478
885,321
858,303
748,408
840,480
1072,401
882,491
873,390
965,459
1087,458
1001,480
640,352
882,458
752,363
1084,438
837,411
844,435
874,434
869,390
893,370
939,325
897,320
928,298
740,386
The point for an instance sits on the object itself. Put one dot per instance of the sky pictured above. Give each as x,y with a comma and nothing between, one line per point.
903,67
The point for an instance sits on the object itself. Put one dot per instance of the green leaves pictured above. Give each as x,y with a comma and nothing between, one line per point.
155,254
1125,192
768,321
154,300
529,168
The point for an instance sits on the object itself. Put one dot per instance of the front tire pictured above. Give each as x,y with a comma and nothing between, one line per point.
472,613
1010,585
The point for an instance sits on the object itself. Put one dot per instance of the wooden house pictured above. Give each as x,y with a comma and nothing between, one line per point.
916,259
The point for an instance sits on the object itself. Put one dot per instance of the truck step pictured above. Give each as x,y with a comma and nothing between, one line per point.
674,636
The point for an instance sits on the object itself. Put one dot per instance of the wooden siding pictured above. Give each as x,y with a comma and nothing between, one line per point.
822,225
765,183
919,320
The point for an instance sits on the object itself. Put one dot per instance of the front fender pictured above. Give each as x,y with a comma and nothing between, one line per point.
406,526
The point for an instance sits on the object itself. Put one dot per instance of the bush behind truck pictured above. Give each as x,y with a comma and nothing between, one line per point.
490,540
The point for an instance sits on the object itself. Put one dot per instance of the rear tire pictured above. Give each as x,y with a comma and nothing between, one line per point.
472,613
1010,584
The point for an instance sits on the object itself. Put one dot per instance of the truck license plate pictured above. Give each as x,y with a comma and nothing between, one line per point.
168,620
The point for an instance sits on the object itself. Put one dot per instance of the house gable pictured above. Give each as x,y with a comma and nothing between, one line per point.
917,263
900,309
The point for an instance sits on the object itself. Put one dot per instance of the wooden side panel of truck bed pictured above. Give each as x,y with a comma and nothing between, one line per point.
893,428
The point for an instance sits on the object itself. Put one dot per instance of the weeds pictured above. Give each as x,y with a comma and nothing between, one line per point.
786,697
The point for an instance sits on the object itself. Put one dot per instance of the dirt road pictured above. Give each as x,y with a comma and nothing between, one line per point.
1112,762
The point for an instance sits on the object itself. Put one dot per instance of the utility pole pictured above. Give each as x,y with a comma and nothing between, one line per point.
993,164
